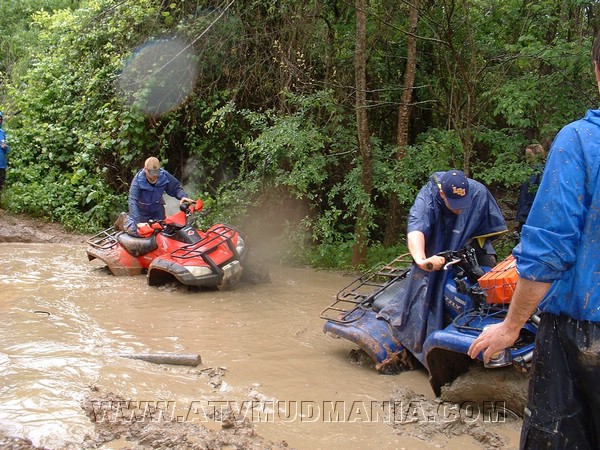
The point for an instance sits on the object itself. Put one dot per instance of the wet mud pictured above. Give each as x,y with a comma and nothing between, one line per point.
263,356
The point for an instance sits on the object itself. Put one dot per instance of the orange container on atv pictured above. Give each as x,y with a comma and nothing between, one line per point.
499,283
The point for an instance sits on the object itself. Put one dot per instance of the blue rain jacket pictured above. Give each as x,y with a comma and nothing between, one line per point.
146,200
3,151
527,193
418,310
560,242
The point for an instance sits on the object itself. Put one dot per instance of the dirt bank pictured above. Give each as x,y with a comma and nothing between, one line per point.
19,228
148,429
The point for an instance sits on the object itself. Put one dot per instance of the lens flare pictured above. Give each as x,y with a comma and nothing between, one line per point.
159,76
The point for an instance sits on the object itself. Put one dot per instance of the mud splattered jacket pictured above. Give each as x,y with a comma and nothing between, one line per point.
560,242
146,200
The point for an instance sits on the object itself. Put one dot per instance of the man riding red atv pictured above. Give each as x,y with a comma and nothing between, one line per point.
173,249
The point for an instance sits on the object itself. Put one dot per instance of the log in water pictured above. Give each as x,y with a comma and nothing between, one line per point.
166,358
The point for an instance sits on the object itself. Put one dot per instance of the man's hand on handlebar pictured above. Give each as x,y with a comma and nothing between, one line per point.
185,200
432,263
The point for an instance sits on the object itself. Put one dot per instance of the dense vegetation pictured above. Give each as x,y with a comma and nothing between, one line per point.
259,106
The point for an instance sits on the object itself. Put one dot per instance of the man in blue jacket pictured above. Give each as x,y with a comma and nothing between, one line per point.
559,271
448,212
3,153
146,194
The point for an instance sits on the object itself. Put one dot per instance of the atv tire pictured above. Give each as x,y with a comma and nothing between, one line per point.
489,386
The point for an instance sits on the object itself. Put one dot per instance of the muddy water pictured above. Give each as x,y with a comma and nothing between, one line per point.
64,322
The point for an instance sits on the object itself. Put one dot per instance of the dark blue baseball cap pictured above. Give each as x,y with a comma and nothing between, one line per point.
455,185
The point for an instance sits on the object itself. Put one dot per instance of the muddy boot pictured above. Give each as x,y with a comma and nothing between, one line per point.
121,221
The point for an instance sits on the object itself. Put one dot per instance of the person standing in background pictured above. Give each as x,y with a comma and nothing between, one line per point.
4,149
535,155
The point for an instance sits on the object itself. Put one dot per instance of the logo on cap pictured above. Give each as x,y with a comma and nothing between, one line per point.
459,191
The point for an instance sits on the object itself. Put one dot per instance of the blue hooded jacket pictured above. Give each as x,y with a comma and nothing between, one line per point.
445,230
3,151
560,242
417,311
146,200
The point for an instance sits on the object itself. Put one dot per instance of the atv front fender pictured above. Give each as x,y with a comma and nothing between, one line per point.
446,353
446,357
374,336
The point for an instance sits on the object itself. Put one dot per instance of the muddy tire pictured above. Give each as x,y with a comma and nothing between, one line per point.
255,270
224,285
483,386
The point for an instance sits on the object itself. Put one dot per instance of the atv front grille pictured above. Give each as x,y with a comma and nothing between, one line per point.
475,320
352,301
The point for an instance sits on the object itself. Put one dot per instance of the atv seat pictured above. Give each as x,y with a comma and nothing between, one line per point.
136,246
383,298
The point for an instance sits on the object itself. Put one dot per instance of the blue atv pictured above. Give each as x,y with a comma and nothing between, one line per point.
474,297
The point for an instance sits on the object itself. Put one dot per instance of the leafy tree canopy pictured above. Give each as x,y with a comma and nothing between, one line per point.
252,104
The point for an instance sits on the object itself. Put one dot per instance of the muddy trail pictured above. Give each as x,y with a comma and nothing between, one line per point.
268,376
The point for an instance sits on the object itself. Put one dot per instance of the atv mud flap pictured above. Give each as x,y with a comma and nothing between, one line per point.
446,357
375,337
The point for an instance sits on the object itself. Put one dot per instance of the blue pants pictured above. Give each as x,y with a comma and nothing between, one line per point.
563,410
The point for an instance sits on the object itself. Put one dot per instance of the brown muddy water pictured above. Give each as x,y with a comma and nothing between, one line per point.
64,321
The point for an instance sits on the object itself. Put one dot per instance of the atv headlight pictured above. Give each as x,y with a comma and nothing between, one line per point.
199,271
241,245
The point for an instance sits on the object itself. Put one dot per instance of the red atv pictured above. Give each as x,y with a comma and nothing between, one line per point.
172,249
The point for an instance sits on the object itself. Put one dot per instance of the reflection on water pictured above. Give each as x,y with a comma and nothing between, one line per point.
65,320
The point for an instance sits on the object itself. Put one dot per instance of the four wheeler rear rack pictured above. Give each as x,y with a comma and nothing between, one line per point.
352,301
104,239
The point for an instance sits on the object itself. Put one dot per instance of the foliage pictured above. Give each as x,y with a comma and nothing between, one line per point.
73,133
270,124
339,255
500,163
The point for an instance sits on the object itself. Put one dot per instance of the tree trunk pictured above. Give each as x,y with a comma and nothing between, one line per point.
393,227
361,229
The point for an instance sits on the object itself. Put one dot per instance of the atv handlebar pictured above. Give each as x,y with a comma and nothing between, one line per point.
194,206
450,257
464,257
171,223
446,265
